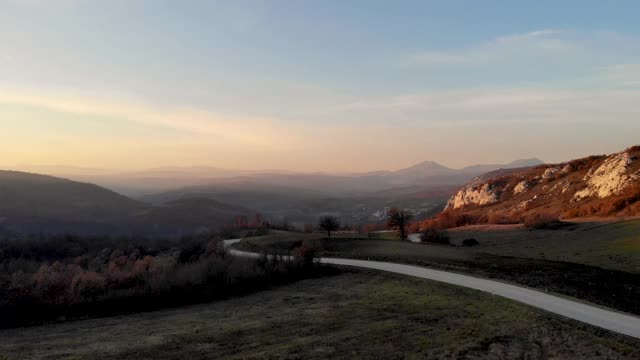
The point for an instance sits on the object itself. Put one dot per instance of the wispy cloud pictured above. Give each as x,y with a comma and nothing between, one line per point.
546,42
412,127
503,107
235,130
549,45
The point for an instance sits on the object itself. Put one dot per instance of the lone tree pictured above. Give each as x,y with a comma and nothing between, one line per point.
329,224
398,220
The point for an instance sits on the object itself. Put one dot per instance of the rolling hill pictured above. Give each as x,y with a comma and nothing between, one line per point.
354,198
26,194
32,203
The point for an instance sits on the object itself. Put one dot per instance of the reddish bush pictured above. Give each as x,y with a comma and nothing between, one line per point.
435,236
307,252
501,219
88,286
371,228
449,219
542,221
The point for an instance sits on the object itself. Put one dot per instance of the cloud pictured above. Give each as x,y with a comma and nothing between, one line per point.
550,45
234,130
506,107
538,43
447,126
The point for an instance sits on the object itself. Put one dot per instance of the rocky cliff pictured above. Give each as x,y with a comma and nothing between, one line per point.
596,185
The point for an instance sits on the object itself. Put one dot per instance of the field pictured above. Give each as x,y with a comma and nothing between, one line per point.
359,314
610,245
594,262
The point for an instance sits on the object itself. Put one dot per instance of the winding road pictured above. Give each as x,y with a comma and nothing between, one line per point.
596,316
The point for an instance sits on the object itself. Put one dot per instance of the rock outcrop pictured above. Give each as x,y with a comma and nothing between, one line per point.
608,179
478,194
596,185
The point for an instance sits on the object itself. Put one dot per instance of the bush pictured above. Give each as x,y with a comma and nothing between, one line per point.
470,242
449,219
501,219
434,236
543,221
307,252
125,279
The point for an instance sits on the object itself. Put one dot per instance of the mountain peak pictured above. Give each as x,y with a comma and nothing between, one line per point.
425,168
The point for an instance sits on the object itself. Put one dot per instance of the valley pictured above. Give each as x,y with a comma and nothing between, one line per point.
586,258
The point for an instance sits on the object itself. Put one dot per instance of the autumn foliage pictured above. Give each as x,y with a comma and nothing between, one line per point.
448,219
83,277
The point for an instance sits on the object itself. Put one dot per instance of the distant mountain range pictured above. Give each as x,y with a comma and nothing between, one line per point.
418,177
204,196
168,178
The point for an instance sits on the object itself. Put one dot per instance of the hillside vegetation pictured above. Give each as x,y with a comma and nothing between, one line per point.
33,195
32,203
53,278
593,186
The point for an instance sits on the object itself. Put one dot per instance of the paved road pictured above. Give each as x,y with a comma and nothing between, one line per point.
606,319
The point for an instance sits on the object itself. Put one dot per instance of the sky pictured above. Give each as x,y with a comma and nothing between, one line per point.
315,85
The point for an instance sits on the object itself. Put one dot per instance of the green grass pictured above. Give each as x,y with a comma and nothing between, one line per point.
359,314
614,246
593,262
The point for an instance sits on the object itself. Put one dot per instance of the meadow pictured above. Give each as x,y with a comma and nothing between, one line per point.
595,262
358,314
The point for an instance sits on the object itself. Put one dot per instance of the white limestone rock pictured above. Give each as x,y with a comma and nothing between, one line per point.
478,194
608,179
521,187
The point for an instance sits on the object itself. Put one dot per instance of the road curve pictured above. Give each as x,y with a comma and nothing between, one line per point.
596,316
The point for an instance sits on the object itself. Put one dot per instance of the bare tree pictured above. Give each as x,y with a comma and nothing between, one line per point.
398,220
329,224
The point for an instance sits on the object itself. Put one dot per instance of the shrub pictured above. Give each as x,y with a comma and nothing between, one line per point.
501,219
543,221
449,219
434,236
470,242
307,252
123,279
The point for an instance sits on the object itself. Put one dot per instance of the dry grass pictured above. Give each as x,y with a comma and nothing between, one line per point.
595,262
367,315
606,244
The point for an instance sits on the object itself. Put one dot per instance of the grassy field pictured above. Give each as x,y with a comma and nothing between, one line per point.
594,262
613,246
359,314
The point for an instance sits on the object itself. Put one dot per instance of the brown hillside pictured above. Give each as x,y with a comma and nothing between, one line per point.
592,186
